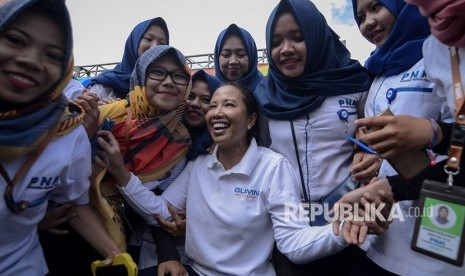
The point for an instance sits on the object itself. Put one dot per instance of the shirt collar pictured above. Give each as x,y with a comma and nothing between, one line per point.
245,166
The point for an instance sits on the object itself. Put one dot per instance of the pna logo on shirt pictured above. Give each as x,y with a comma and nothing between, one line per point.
246,193
44,183
347,103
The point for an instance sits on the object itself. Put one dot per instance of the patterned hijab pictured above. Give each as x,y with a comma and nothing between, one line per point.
23,128
151,143
253,75
403,48
446,18
201,139
329,70
120,76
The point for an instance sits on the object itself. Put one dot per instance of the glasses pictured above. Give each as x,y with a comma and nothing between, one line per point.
178,77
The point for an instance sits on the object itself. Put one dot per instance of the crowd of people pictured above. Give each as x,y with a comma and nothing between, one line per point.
235,173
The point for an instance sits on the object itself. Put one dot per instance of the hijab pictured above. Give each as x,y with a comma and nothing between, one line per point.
119,77
151,142
446,18
403,48
201,139
329,70
253,75
25,127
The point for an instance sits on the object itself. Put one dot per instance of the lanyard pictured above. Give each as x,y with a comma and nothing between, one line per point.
458,133
18,207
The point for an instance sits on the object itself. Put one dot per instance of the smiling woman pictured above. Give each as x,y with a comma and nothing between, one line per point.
238,195
37,127
150,135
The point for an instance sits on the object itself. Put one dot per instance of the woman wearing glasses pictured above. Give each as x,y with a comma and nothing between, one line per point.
148,128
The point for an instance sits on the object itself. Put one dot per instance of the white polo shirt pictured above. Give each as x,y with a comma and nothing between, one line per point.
234,216
62,174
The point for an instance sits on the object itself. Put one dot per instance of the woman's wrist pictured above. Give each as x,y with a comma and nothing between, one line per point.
122,177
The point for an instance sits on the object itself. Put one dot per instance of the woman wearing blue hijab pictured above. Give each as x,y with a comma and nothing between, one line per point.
145,35
236,57
197,105
397,30
311,96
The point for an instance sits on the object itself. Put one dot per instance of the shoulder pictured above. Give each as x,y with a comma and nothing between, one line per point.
77,137
270,157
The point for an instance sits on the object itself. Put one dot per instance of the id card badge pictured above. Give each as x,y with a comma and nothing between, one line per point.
440,230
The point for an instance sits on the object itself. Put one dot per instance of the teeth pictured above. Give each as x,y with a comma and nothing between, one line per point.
22,79
290,60
220,126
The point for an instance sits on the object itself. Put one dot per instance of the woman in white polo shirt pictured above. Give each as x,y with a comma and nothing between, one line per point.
239,200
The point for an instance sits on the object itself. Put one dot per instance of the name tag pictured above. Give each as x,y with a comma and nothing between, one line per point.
439,231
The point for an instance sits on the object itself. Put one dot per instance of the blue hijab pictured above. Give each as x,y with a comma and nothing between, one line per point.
201,139
118,78
403,48
329,70
253,76
23,127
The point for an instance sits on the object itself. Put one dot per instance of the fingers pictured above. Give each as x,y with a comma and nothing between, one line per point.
57,215
174,213
110,258
353,233
336,222
107,141
362,234
179,219
367,168
168,226
346,231
370,122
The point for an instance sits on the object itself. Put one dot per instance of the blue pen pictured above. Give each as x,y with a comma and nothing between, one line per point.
360,144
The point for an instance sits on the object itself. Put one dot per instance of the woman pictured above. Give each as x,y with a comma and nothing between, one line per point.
197,104
145,35
397,64
311,96
236,57
235,199
37,126
148,126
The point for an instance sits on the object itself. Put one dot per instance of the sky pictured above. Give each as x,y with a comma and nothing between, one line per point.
101,27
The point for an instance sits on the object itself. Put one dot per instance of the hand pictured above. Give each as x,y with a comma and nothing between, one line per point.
377,192
88,101
110,153
173,268
57,215
397,135
355,229
177,227
365,166
109,259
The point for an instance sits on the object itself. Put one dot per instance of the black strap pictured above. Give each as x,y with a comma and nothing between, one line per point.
307,199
